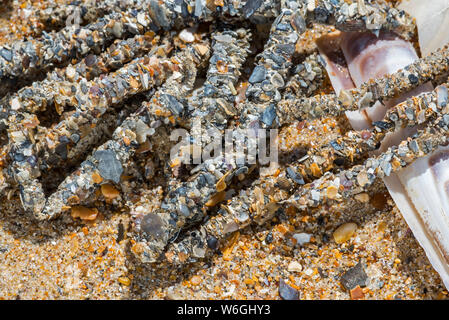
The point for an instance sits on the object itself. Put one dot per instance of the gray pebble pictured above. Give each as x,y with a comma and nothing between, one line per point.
258,75
354,277
108,165
286,292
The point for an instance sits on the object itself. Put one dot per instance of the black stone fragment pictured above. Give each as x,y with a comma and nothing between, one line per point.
258,75
339,161
108,165
286,292
354,277
297,177
269,238
286,48
382,125
152,225
412,78
321,14
299,23
336,145
120,232
173,104
268,115
250,7
6,54
61,150
212,242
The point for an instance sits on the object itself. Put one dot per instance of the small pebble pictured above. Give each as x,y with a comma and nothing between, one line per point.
84,213
70,73
357,293
362,197
109,191
294,266
258,75
354,277
302,238
196,280
124,280
332,192
15,104
344,232
286,292
187,36
362,178
109,167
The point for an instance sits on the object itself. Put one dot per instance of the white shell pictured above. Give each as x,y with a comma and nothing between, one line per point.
337,70
370,56
421,190
431,18
421,193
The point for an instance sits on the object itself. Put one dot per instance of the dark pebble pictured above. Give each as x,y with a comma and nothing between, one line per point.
354,277
152,225
412,78
250,7
297,177
286,48
339,161
299,23
90,60
269,114
336,146
174,105
212,242
321,14
269,238
286,292
258,75
61,150
110,168
120,232
6,54
279,60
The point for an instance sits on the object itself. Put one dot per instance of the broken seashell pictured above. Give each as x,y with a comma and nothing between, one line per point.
425,209
421,189
431,19
369,56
